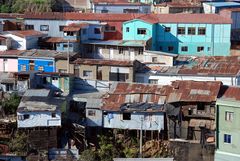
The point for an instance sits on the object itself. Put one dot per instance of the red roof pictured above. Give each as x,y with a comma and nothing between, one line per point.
185,18
57,40
178,91
179,5
229,93
25,33
74,27
2,37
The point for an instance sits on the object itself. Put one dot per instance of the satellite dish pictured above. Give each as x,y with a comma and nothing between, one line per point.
171,110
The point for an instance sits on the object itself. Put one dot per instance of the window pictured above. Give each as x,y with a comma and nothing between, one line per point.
104,11
50,64
154,59
58,45
84,31
191,31
160,48
53,114
126,116
23,68
26,116
40,68
91,112
200,49
44,28
181,30
87,73
170,48
153,81
167,29
120,50
140,51
70,33
209,48
29,27
97,31
227,138
61,28
141,31
184,48
201,31
110,29
127,29
229,116
62,70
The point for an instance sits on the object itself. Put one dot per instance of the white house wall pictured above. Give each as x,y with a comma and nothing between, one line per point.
153,122
39,119
166,80
53,25
17,42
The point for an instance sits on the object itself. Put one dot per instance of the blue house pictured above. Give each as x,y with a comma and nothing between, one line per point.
37,60
215,7
185,34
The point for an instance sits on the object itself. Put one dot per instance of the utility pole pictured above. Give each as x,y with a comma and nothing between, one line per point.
68,59
140,154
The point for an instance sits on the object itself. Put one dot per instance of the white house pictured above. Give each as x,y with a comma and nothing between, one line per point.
227,73
5,43
39,109
24,39
121,6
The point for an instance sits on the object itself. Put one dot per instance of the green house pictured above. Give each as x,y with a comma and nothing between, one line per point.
227,125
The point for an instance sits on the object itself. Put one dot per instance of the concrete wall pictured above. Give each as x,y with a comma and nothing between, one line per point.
39,119
97,8
151,121
95,120
106,70
63,65
11,65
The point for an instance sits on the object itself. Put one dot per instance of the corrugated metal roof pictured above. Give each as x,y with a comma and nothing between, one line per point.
178,91
103,62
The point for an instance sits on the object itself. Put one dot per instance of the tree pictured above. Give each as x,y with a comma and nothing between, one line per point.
18,144
4,8
10,105
88,155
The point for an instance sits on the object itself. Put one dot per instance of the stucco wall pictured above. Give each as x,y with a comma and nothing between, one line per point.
11,65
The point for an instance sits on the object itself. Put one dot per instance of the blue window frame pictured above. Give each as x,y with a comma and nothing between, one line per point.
227,138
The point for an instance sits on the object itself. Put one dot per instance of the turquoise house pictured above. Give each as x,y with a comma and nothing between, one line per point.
227,125
185,34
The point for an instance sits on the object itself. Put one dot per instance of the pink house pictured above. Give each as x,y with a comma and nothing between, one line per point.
9,61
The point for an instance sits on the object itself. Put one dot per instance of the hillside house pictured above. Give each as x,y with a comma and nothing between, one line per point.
216,7
184,34
39,109
106,70
177,7
198,69
24,39
227,129
120,6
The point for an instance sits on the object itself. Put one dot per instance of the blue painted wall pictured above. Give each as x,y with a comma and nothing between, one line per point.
74,48
216,41
48,64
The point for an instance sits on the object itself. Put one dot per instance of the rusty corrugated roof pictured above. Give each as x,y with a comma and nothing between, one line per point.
178,91
103,62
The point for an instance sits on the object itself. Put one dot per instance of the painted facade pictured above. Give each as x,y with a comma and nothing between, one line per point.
134,121
228,114
36,64
204,39
8,64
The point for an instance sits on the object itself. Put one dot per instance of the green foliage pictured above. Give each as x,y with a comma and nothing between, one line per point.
21,6
10,105
18,144
88,155
4,8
